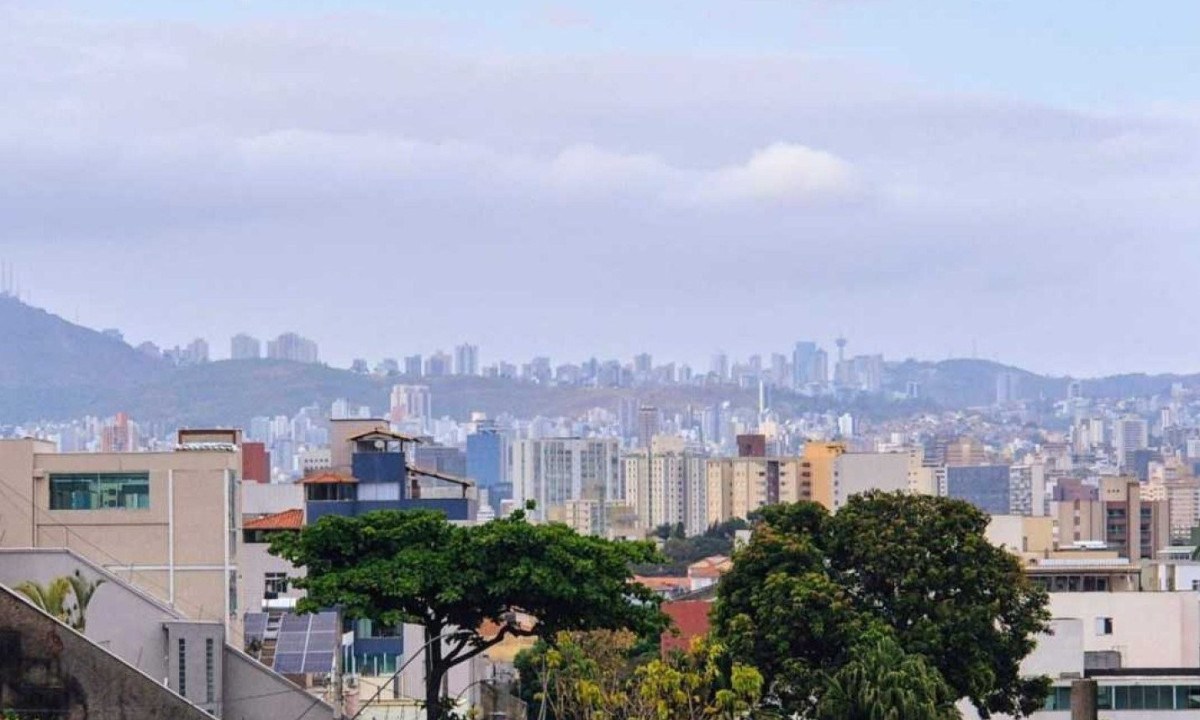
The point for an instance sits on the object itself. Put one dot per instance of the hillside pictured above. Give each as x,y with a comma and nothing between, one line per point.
51,369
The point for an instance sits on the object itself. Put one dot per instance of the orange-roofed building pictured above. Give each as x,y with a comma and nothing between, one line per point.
689,620
667,587
706,572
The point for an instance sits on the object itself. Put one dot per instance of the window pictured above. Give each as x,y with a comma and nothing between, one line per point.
277,583
1104,626
100,491
210,671
183,667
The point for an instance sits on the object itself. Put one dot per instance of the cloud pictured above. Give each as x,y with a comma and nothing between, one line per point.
670,199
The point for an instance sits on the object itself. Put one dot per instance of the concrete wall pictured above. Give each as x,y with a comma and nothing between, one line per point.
269,498
48,668
1149,629
252,692
859,472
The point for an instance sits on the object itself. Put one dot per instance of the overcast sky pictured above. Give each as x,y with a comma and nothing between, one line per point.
927,177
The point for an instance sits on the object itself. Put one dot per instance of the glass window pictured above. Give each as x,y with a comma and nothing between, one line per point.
1104,698
210,671
1187,697
100,491
1120,698
183,667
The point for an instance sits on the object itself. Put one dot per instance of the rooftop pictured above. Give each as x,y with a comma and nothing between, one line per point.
287,520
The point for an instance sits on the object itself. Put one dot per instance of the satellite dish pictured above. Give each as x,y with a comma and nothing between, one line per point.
379,444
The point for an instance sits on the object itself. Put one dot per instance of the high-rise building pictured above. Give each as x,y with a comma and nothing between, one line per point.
649,422
859,472
466,359
293,347
964,451
1007,388
119,435
1133,526
411,406
720,366
245,347
736,487
1130,434
666,484
488,463
438,364
987,487
803,357
555,471
413,367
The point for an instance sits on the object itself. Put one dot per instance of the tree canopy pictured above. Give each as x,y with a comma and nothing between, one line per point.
913,574
472,586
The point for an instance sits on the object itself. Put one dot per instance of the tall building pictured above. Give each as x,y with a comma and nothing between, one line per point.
803,357
1133,526
667,485
1007,388
720,366
466,359
984,486
1027,489
411,406
293,347
413,366
555,471
245,347
438,364
736,487
649,422
488,464
195,353
1130,434
964,451
167,522
119,435
859,472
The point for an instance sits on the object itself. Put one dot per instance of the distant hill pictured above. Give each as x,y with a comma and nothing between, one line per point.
51,369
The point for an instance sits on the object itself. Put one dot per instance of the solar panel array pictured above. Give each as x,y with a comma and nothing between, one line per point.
307,643
255,627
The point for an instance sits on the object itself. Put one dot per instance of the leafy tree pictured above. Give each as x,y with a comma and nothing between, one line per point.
810,586
52,598
882,682
417,567
586,675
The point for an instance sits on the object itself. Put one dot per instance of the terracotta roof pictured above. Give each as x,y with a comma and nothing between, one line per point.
286,520
328,478
710,567
664,584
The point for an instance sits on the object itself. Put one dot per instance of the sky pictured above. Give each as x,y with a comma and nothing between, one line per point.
1018,181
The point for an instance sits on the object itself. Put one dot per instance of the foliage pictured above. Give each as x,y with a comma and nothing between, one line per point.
65,598
455,581
882,682
810,587
682,551
585,675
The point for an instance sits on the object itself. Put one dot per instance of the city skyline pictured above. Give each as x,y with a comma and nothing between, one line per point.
848,181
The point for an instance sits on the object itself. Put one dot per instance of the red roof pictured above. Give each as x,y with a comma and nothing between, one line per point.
328,478
710,567
286,520
689,620
664,584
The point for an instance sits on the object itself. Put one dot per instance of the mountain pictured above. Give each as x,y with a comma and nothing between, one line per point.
51,369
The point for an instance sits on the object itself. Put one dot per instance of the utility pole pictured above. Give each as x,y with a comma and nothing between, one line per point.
1083,700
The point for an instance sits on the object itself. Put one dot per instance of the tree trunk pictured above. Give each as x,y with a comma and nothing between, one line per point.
434,672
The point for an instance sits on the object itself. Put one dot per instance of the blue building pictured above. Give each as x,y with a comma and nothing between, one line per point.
371,471
487,464
984,486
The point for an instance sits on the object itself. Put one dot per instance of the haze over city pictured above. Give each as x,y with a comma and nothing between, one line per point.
572,178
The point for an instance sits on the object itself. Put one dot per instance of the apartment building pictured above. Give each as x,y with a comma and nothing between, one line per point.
856,473
167,522
555,471
667,484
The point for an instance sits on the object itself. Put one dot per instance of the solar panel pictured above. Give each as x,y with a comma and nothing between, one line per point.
321,662
322,641
294,623
291,642
325,622
289,663
255,626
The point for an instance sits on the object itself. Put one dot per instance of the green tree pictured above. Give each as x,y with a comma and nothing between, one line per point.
52,598
882,682
417,567
809,586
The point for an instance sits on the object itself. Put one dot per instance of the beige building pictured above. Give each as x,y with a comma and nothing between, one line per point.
737,487
1030,537
667,485
856,473
553,472
167,522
